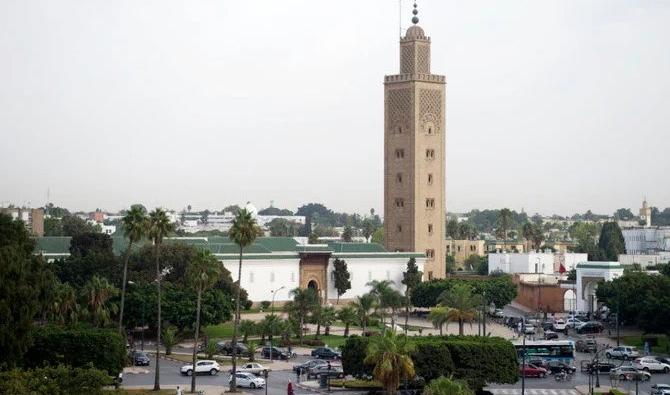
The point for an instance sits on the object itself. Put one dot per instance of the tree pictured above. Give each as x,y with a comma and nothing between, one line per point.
134,229
53,226
327,318
159,227
347,234
64,308
378,236
450,263
233,208
390,354
19,303
73,226
447,386
462,303
363,305
368,229
247,327
411,277
611,241
203,274
170,340
504,224
452,229
586,234
472,262
624,214
313,238
439,316
572,275
96,295
243,232
347,315
466,231
482,267
280,227
275,211
379,290
302,305
341,277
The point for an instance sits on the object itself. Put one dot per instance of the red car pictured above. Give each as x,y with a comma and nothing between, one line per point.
532,371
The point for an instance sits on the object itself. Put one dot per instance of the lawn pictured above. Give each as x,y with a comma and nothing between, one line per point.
188,359
357,384
224,330
663,346
330,340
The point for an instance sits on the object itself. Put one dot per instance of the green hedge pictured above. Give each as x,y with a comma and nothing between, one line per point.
59,380
500,290
477,360
104,349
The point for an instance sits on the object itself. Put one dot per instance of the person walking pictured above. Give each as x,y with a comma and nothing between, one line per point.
289,388
179,391
298,372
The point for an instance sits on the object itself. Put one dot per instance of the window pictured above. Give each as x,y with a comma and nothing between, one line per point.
430,179
430,154
399,129
430,203
448,248
399,202
399,228
272,277
398,178
458,248
430,229
430,130
430,276
430,254
400,153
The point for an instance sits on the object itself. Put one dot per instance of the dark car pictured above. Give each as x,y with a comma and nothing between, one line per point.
306,366
140,358
550,335
557,366
590,327
547,325
227,348
600,367
326,353
277,353
588,345
663,359
332,371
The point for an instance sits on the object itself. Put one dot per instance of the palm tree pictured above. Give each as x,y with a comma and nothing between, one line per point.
462,304
134,228
447,386
243,232
247,327
159,227
328,317
527,231
96,293
390,353
348,316
362,305
203,273
64,308
302,305
439,316
393,300
379,289
504,223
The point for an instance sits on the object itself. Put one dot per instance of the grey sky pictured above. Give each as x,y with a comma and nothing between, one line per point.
554,106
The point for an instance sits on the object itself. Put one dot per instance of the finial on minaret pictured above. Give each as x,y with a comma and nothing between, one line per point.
415,19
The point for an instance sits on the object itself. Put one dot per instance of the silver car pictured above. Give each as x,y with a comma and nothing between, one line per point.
622,352
629,373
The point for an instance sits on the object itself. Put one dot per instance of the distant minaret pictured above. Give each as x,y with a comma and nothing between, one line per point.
645,213
414,154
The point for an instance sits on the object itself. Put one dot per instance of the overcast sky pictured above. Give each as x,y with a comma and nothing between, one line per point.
553,106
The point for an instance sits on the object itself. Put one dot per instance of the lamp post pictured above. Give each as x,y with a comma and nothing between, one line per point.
272,325
523,357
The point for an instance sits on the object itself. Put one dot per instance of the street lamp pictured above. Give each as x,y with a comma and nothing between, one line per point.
523,357
272,325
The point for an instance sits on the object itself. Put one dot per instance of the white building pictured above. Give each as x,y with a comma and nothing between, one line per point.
645,260
647,241
589,274
534,262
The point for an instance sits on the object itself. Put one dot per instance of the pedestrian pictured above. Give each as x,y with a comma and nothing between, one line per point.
298,372
289,388
179,391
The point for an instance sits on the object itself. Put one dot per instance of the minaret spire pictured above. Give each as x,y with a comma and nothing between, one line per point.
415,11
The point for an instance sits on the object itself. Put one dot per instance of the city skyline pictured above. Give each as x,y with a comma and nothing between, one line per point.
556,108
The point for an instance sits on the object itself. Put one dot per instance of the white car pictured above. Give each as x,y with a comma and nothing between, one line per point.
559,326
573,322
529,329
660,389
650,364
252,367
201,367
622,352
248,380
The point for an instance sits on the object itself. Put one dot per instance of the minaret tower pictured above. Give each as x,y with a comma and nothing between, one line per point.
645,213
414,154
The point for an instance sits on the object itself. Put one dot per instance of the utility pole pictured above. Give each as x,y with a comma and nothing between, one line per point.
523,357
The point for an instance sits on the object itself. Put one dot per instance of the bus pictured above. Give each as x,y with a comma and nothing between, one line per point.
548,350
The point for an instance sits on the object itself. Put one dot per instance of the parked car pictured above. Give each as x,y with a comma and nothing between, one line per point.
622,352
277,353
550,335
140,358
306,366
573,322
650,364
547,325
660,389
326,353
529,329
540,363
533,371
663,359
332,371
629,372
559,326
590,327
244,379
201,367
498,313
253,368
600,367
558,366
227,348
588,345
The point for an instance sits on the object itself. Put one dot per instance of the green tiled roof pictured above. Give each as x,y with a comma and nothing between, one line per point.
52,245
356,247
278,243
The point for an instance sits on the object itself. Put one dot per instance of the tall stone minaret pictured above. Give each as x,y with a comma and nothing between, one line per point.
414,154
645,213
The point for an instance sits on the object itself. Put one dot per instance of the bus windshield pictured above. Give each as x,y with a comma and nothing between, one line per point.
547,350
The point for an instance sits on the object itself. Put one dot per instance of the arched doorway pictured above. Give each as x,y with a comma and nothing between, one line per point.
312,284
569,300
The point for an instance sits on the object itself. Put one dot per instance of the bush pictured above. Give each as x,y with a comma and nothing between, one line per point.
500,290
104,349
60,380
432,359
353,354
265,305
248,304
314,342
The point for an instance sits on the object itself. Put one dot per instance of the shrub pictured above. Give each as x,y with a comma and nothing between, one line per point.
104,349
481,360
447,386
314,342
59,380
432,359
265,305
353,354
248,304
